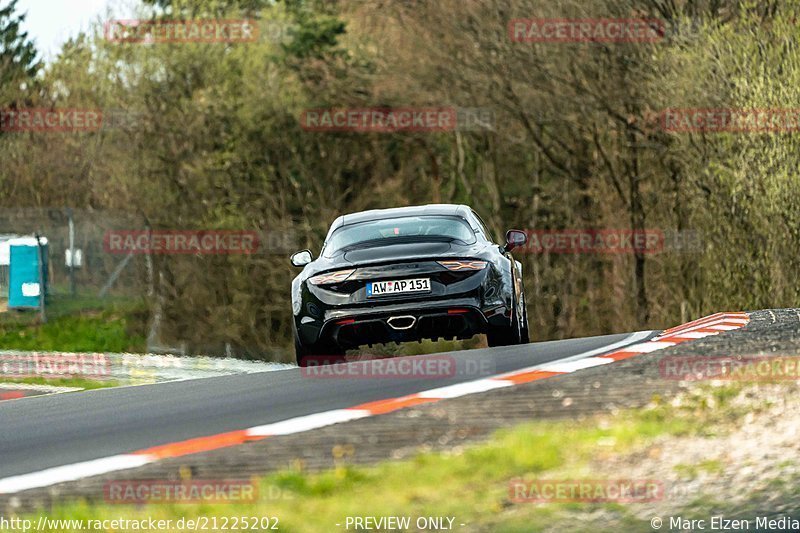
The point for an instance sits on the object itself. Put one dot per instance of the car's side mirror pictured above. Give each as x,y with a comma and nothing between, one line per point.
515,238
301,258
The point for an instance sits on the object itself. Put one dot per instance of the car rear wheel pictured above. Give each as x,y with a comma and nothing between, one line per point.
525,336
515,333
505,335
317,355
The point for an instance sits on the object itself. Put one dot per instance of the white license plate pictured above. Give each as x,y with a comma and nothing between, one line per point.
383,288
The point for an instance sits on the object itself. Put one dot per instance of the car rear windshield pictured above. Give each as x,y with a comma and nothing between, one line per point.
394,230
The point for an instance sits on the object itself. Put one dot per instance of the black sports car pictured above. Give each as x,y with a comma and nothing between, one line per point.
403,274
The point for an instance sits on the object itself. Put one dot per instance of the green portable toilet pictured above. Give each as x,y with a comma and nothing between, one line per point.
24,285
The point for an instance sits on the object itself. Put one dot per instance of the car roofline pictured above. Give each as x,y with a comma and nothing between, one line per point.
398,212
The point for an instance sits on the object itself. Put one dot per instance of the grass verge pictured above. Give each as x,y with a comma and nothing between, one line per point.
79,324
78,383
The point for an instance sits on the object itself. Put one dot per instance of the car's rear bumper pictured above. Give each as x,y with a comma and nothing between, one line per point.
457,318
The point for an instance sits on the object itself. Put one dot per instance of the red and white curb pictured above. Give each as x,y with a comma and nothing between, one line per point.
17,391
704,327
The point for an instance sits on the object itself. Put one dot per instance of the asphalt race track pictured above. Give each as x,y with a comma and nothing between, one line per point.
43,432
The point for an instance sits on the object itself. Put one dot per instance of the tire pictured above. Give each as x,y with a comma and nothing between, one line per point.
515,333
525,336
505,335
317,355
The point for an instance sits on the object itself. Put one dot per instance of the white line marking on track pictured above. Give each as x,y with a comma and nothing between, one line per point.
647,347
61,474
462,389
307,422
706,325
572,366
688,335
633,337
39,388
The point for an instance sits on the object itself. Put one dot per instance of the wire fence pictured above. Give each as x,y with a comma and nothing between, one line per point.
196,286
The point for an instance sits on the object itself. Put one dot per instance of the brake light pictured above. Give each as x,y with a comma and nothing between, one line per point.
457,311
463,265
331,277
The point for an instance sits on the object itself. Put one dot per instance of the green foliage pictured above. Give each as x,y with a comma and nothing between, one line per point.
77,383
73,334
76,325
194,7
18,56
574,144
314,36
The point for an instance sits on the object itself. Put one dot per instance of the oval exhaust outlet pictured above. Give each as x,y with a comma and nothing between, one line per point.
401,322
